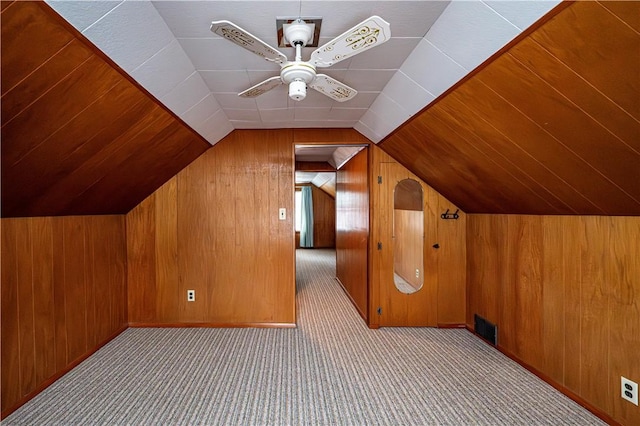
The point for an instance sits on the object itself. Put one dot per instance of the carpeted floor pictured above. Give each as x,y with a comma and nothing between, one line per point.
330,370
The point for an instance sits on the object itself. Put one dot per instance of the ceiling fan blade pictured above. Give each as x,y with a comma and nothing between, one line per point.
367,34
234,33
260,88
333,88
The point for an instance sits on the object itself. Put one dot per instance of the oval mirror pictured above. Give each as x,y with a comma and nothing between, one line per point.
408,236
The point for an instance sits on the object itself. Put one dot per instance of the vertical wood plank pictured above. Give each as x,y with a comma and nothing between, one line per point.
141,279
624,312
594,318
528,301
352,229
451,264
44,303
24,271
193,240
10,326
118,273
572,248
59,296
74,286
89,280
166,247
45,267
101,249
505,238
553,303
324,219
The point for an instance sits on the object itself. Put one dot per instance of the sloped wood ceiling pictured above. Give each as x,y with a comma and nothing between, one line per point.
78,137
552,126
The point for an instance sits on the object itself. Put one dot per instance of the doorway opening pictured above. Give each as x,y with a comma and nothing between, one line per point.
323,216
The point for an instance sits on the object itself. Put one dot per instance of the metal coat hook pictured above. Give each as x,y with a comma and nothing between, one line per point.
447,215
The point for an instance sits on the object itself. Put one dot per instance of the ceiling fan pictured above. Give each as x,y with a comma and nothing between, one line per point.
299,74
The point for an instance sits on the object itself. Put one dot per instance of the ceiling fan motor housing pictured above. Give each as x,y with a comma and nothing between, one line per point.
298,32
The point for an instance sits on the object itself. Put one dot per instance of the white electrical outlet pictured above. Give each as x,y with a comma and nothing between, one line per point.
191,295
629,390
417,273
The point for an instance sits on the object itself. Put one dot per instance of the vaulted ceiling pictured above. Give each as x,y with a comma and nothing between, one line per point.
549,125
167,46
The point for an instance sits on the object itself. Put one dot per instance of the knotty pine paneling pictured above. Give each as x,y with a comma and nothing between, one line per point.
63,295
563,291
214,228
441,301
548,127
352,230
324,219
78,135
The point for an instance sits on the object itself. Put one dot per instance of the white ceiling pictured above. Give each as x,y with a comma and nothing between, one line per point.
168,48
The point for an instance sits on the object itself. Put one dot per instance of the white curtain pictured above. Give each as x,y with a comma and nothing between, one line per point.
306,228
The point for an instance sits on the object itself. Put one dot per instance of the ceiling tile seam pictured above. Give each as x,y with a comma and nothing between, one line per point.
159,52
198,103
561,143
368,132
503,17
186,79
102,17
417,84
388,126
443,53
400,107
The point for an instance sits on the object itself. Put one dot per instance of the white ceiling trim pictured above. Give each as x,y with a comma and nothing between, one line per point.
168,48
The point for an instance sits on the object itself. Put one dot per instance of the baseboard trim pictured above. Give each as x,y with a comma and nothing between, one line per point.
451,325
565,391
362,314
48,382
212,325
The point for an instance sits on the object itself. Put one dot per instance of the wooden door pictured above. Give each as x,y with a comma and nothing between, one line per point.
397,308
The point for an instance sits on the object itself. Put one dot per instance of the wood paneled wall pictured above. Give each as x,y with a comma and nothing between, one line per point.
352,229
551,126
78,135
564,292
63,295
324,219
441,301
214,228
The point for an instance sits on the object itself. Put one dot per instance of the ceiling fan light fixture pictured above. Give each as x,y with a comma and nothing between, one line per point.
298,90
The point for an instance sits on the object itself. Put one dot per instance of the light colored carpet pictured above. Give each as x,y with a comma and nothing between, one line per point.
330,370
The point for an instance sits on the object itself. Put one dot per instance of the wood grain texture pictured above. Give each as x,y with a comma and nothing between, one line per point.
352,230
441,301
324,219
570,285
329,136
60,281
79,136
11,389
214,229
548,127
